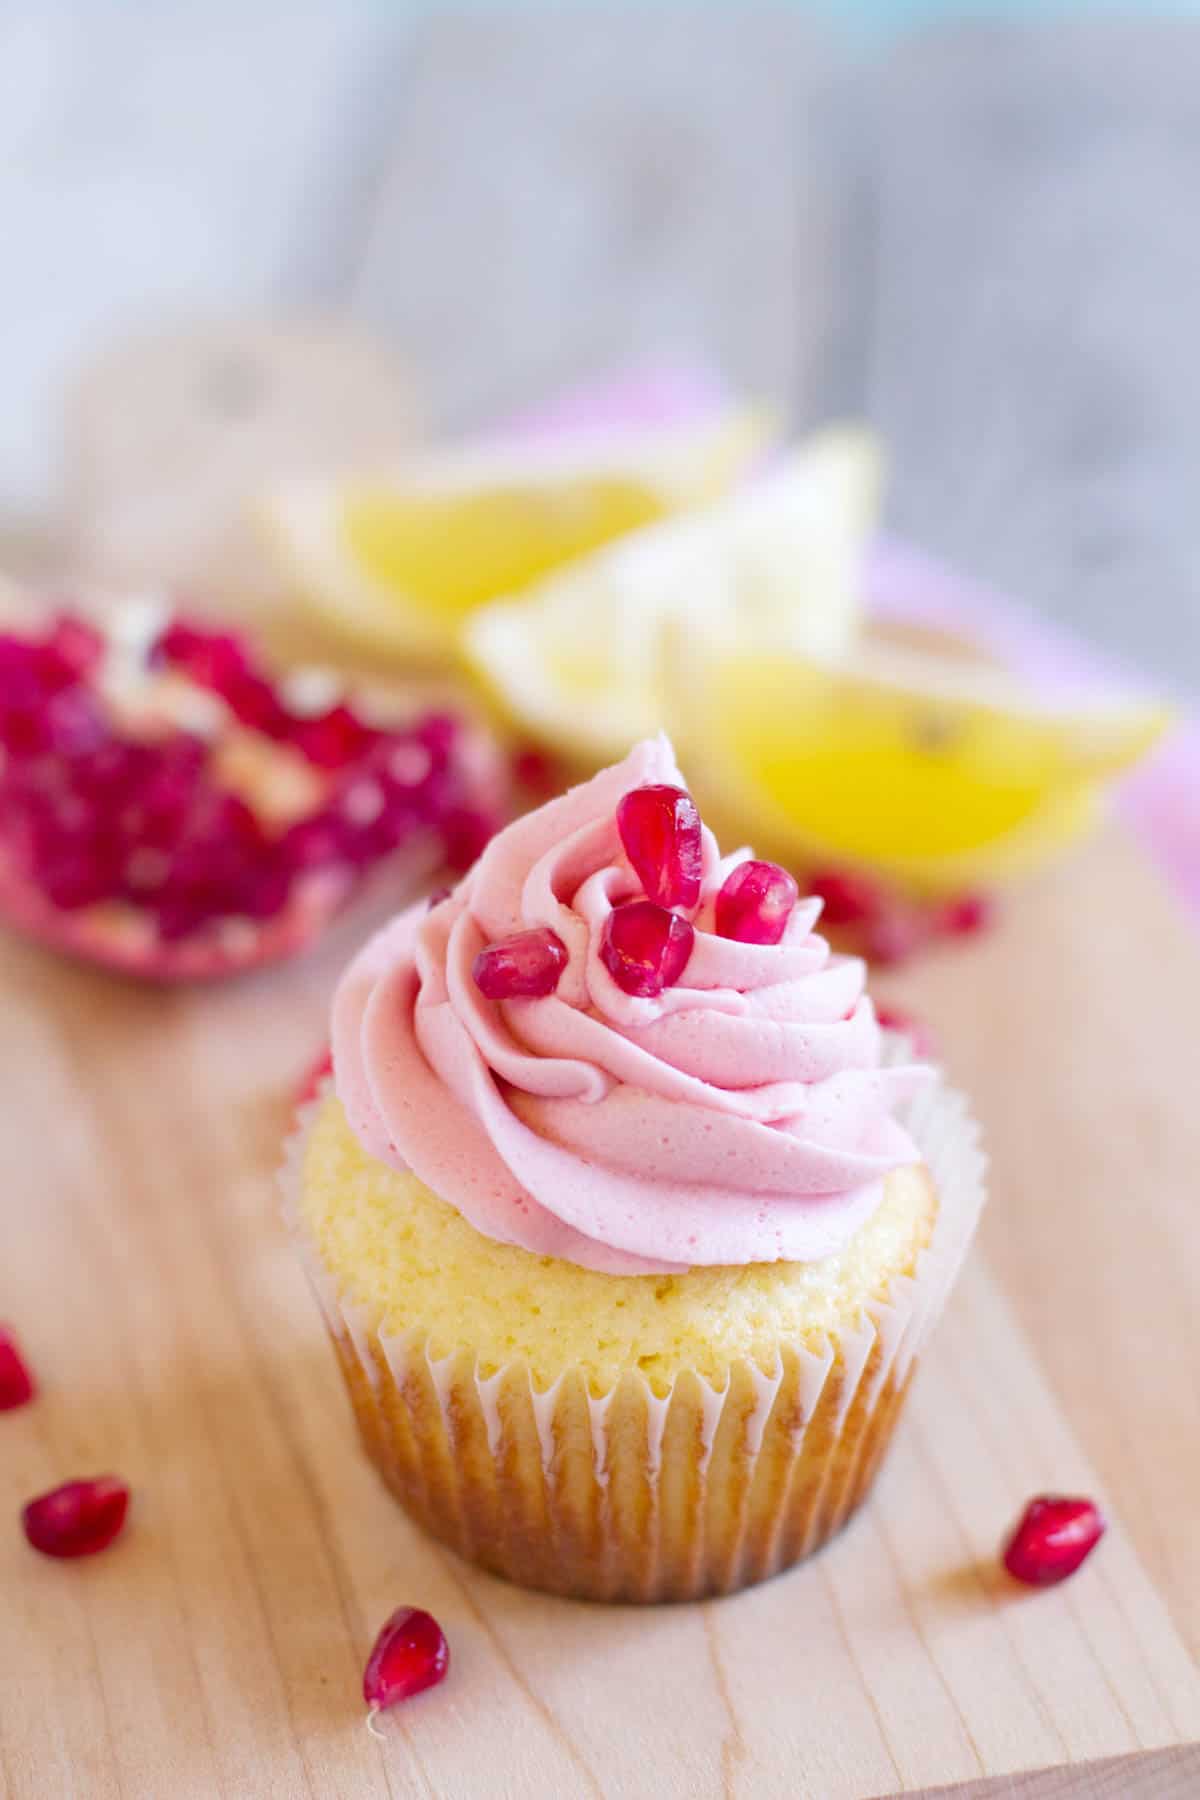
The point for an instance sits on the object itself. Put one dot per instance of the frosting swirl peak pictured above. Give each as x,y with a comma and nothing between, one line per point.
740,1116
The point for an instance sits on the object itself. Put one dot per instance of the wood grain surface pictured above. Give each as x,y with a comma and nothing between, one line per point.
218,1649
1159,1775
1096,1100
976,241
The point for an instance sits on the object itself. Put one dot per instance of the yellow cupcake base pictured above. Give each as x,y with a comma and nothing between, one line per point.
655,1486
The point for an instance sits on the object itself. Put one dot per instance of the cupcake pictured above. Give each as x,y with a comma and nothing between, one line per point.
627,1221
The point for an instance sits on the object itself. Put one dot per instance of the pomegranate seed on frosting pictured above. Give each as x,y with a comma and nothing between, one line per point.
409,1655
645,948
660,832
755,903
1054,1536
586,1129
77,1519
525,966
16,1383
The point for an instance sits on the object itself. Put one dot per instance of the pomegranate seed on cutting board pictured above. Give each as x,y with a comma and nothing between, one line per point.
1054,1535
17,1385
77,1519
409,1655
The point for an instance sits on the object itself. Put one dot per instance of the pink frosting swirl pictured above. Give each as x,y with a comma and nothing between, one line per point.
742,1116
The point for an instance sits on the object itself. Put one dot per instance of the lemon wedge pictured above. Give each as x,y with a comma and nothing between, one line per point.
932,769
399,562
580,659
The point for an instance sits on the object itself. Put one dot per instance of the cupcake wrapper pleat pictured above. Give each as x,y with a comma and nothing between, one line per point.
636,1495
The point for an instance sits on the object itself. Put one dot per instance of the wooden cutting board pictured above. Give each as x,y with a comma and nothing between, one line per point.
218,1648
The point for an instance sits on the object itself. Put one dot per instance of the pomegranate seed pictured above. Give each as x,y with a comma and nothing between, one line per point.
78,1518
212,659
894,1018
115,773
965,915
71,723
220,660
894,935
410,1654
1054,1536
399,816
755,903
438,732
254,703
314,843
334,739
645,948
156,812
77,645
850,898
22,732
466,830
73,876
263,891
310,1082
16,1383
91,816
537,771
524,966
660,830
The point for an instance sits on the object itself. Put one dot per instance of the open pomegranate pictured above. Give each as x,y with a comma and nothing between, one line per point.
169,810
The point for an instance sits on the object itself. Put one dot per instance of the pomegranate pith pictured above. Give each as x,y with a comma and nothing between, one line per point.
409,1655
645,948
525,966
16,1383
755,903
660,831
1054,1536
77,1519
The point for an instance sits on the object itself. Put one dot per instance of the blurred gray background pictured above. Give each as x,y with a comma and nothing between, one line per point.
980,234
